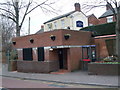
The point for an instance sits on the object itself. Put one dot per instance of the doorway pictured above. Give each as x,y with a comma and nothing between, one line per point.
62,56
88,55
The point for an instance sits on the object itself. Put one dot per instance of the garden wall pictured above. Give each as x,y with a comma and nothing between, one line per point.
103,69
37,67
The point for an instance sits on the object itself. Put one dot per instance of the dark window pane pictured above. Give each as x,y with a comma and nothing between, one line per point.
27,54
40,53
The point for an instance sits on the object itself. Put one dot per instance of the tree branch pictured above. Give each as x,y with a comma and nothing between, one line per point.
37,6
8,17
112,9
25,13
7,11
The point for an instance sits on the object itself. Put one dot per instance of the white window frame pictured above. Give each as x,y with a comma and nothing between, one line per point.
49,26
109,19
55,25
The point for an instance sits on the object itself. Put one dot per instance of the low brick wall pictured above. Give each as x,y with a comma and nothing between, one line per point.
103,69
37,67
12,65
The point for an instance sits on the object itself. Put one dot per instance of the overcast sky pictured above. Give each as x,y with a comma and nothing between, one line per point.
38,17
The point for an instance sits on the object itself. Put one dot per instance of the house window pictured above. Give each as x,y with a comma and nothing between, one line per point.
109,19
49,26
90,24
63,24
55,25
27,54
40,53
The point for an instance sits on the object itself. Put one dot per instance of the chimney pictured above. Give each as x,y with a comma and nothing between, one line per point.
42,26
107,7
77,7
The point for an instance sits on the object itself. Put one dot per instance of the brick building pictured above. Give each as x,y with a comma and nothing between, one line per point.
107,17
74,20
53,50
92,20
63,48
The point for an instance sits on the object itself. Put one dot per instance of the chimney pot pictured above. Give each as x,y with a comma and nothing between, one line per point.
77,7
42,26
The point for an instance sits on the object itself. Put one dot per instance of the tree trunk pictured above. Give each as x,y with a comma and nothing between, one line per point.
17,30
118,35
17,19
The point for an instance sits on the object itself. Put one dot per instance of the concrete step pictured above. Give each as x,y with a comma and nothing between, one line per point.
61,71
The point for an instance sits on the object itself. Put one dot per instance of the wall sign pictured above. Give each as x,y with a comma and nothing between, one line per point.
79,24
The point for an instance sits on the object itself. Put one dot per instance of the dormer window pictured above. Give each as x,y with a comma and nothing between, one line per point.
109,19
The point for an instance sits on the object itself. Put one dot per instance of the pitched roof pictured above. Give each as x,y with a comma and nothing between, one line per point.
40,31
107,13
61,16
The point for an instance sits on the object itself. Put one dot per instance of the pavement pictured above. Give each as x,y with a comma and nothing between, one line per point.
77,77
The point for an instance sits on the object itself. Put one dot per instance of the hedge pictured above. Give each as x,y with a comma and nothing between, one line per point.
102,29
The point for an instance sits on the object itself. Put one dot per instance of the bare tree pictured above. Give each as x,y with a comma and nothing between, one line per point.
8,31
17,6
114,6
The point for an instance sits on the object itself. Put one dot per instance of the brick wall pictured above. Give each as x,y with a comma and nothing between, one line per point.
37,67
102,51
104,20
75,57
93,20
43,39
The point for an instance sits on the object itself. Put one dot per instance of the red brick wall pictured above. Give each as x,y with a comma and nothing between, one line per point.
75,55
43,39
20,54
37,67
102,21
93,20
35,55
102,51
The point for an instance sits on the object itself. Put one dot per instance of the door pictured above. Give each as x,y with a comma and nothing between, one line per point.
62,56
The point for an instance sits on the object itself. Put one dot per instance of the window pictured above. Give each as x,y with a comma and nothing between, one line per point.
40,53
90,24
49,26
27,54
55,25
63,24
109,19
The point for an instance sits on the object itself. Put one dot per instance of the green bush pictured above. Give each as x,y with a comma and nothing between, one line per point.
13,55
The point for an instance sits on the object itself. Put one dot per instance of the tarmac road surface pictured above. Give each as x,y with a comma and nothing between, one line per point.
9,82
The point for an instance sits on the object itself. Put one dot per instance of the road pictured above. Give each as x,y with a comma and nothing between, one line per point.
9,82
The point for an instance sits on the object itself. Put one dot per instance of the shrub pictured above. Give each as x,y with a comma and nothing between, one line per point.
110,59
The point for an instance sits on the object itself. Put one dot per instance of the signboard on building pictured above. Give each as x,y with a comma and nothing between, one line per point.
79,24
